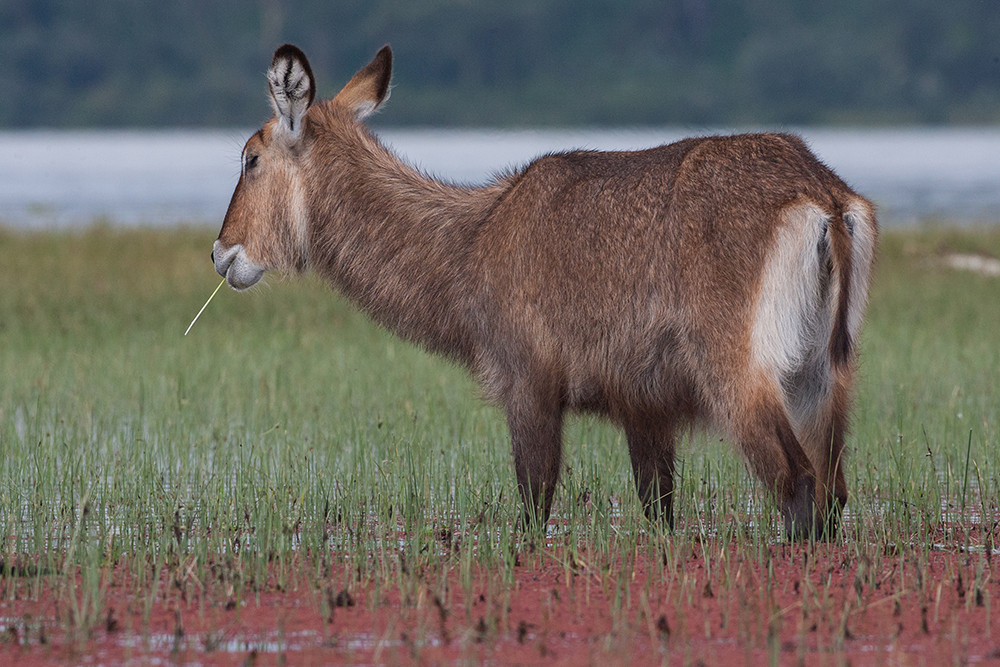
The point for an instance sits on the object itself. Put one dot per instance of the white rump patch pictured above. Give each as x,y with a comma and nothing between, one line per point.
790,323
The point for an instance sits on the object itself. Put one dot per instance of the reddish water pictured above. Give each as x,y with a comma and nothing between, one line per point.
819,607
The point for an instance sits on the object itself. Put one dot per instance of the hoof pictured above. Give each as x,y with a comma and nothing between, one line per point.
804,520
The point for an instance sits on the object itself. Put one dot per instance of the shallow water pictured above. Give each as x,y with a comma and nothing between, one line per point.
58,179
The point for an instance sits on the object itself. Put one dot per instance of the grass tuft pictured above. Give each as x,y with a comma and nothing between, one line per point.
293,444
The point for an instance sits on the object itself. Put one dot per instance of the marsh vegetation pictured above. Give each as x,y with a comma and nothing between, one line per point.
289,450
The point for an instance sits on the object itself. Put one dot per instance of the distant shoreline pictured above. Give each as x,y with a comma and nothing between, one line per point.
56,179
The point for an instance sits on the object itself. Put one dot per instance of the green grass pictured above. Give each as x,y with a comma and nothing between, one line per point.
287,435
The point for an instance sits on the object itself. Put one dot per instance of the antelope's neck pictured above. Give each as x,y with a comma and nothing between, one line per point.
397,243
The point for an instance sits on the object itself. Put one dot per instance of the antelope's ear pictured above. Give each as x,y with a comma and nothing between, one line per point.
369,88
292,87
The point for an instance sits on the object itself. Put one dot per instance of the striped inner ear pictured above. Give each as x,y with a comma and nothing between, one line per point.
292,88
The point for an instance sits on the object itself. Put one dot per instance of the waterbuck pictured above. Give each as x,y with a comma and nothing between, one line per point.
717,281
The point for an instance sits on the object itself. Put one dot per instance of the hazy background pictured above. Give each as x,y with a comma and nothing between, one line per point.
517,63
135,112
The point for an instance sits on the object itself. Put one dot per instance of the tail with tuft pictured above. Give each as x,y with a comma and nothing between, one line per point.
841,235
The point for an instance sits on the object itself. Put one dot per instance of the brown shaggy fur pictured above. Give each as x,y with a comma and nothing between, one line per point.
716,281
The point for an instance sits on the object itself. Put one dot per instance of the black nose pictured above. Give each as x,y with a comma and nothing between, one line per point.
213,257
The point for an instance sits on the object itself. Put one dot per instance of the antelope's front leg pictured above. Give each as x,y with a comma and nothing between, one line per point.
651,448
535,422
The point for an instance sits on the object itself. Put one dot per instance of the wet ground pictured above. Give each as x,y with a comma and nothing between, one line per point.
811,605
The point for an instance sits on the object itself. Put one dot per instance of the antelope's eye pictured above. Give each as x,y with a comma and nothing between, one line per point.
251,162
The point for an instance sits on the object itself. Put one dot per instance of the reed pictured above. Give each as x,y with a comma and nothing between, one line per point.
214,292
292,443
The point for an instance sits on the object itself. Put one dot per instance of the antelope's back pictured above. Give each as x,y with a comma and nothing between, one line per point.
633,274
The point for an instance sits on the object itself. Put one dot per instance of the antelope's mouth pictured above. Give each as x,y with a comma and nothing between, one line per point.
233,264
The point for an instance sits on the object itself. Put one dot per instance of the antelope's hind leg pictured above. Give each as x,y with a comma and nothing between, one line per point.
778,460
651,448
822,436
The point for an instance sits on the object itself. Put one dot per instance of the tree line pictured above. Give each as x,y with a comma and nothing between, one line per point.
193,63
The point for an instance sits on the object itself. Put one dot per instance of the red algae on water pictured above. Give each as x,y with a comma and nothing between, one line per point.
798,603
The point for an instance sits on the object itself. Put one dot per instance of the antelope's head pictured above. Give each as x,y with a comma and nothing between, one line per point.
267,225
